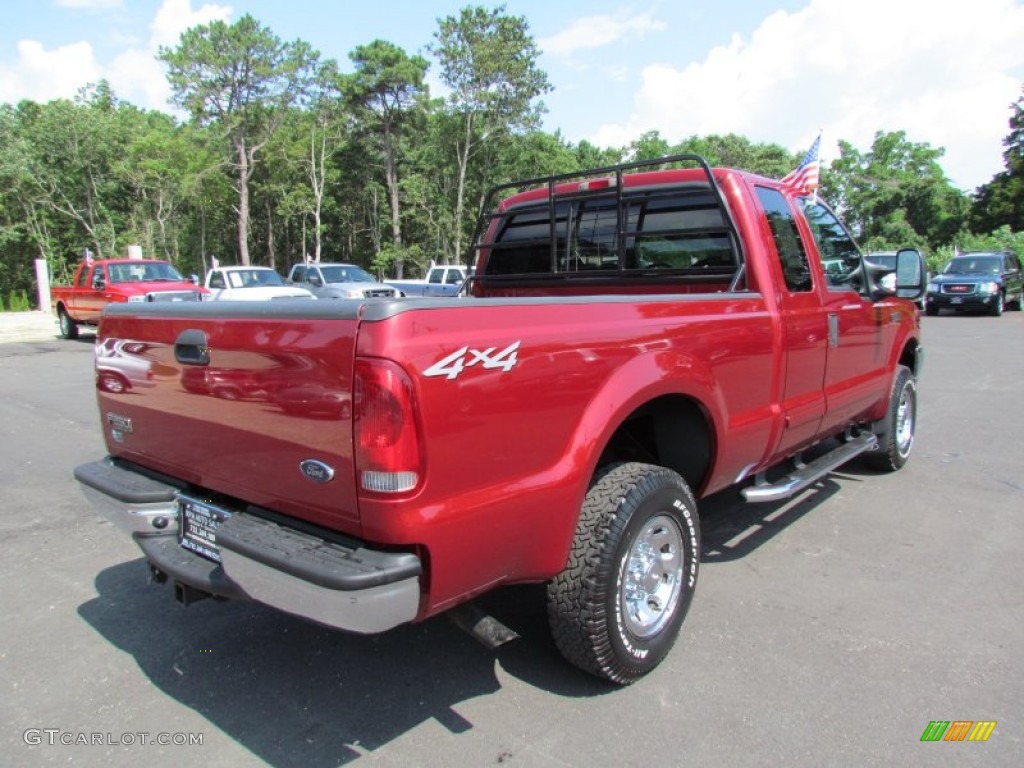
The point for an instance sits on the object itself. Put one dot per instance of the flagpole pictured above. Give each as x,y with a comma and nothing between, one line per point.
820,132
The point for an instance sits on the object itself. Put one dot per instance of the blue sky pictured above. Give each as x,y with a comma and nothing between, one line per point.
771,70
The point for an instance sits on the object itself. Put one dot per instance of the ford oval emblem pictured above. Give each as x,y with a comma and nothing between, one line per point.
317,471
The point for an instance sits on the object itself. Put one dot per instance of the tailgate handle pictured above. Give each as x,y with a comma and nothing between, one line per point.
191,348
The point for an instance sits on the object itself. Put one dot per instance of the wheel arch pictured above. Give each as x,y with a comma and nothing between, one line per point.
673,431
912,356
645,413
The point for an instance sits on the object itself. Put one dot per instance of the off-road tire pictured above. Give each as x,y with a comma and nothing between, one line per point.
616,609
896,431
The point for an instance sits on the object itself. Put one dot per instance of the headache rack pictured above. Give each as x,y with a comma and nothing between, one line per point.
661,222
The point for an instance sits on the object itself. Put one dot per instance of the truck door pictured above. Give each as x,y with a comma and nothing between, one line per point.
804,326
860,331
93,295
435,282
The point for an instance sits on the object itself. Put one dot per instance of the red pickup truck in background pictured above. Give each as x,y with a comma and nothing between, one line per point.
634,339
101,282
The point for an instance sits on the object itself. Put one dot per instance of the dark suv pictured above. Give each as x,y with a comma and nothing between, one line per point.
986,281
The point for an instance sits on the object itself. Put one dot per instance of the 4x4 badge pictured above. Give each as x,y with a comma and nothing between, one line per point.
454,364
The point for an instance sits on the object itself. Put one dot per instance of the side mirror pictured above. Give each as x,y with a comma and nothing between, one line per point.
99,283
911,273
315,280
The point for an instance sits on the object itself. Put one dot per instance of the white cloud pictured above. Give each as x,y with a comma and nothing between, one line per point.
137,77
134,74
175,16
598,31
42,75
618,74
945,77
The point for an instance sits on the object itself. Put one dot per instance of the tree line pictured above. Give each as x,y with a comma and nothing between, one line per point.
281,155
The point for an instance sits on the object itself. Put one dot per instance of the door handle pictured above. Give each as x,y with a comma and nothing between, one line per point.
192,348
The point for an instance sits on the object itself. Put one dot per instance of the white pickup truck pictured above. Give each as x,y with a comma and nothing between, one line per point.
250,284
443,280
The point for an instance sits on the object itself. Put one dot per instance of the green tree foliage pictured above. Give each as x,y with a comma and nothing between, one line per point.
1001,201
302,175
896,194
386,88
242,79
488,61
732,151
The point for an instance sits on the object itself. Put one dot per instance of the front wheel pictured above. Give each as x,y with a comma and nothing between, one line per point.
896,431
616,610
997,308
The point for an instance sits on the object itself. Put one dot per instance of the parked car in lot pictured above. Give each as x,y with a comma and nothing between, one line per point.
339,281
446,280
986,281
887,259
250,284
121,366
98,283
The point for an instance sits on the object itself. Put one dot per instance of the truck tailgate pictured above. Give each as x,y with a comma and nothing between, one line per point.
252,400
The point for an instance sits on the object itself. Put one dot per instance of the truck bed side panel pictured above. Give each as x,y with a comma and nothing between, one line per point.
509,452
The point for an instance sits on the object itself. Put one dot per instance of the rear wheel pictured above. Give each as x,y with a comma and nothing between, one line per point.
112,382
68,327
896,431
616,610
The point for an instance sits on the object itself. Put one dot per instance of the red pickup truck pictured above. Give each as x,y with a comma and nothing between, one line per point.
634,339
101,282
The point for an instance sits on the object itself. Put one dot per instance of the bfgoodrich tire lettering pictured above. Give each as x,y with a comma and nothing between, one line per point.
616,610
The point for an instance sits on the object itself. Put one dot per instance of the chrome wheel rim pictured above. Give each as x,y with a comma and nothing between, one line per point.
652,576
905,421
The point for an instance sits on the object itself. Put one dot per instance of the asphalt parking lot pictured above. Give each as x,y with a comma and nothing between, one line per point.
829,630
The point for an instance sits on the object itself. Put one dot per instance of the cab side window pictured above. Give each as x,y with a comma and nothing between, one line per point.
839,254
796,270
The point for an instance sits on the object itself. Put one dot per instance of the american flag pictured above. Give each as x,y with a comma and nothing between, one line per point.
804,179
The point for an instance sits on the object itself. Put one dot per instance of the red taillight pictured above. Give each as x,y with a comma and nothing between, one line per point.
388,457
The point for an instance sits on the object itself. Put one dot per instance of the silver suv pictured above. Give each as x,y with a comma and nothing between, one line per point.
339,281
